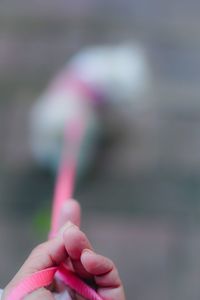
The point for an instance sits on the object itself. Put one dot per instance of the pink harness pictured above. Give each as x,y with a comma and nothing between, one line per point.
63,190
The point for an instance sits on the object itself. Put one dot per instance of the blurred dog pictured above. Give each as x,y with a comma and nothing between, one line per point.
113,76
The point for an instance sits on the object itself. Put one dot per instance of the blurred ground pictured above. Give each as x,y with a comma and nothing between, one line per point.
141,204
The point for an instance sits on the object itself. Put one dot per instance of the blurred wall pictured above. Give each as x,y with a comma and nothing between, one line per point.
150,178
37,38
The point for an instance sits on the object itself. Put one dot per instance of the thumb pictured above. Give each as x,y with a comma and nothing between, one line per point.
45,255
42,293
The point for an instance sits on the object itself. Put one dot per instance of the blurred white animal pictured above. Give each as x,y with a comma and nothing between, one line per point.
117,75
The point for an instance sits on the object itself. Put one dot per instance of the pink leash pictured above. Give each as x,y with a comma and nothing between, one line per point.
63,190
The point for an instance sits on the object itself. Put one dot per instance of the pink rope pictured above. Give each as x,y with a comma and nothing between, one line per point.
67,171
32,283
45,277
63,190
75,283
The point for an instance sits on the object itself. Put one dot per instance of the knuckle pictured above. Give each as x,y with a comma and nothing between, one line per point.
38,249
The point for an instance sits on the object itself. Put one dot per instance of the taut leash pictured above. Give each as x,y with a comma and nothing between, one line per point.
63,190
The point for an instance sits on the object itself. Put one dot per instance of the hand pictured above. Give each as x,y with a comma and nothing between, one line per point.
71,245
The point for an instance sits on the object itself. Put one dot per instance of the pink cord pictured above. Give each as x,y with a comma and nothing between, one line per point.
32,283
63,191
65,181
45,277
76,284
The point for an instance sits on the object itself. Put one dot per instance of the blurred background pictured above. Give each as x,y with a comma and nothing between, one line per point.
140,202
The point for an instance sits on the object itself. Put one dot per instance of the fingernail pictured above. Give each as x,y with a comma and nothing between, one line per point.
66,210
66,203
66,226
88,251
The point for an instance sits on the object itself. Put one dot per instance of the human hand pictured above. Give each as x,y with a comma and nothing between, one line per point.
70,245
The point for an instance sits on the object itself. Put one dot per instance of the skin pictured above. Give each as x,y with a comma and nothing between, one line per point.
73,246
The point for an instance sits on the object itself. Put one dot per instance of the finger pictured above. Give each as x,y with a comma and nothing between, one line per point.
48,254
112,293
75,242
101,267
96,264
40,294
45,255
70,211
105,274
